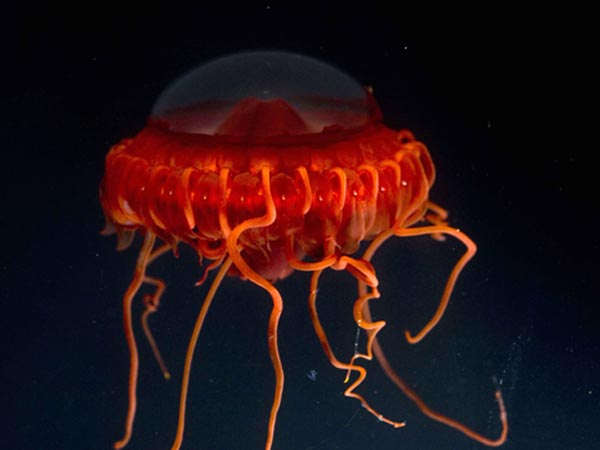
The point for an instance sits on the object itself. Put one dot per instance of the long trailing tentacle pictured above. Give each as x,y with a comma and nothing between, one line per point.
151,304
192,346
436,231
458,267
374,347
362,372
134,286
234,253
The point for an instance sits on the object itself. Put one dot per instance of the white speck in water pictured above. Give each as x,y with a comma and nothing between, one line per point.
312,375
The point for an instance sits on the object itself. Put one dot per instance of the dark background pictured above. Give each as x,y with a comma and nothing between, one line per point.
495,94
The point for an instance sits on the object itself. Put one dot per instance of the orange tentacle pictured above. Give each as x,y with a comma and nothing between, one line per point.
460,264
235,255
423,407
192,346
151,303
136,283
374,348
362,372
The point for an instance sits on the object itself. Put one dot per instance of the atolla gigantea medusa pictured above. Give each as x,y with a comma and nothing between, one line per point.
290,168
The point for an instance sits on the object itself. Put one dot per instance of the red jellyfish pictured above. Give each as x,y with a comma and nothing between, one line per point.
266,163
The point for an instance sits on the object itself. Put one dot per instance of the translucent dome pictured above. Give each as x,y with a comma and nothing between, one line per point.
264,93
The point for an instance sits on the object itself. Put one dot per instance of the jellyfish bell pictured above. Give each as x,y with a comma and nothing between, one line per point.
264,94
